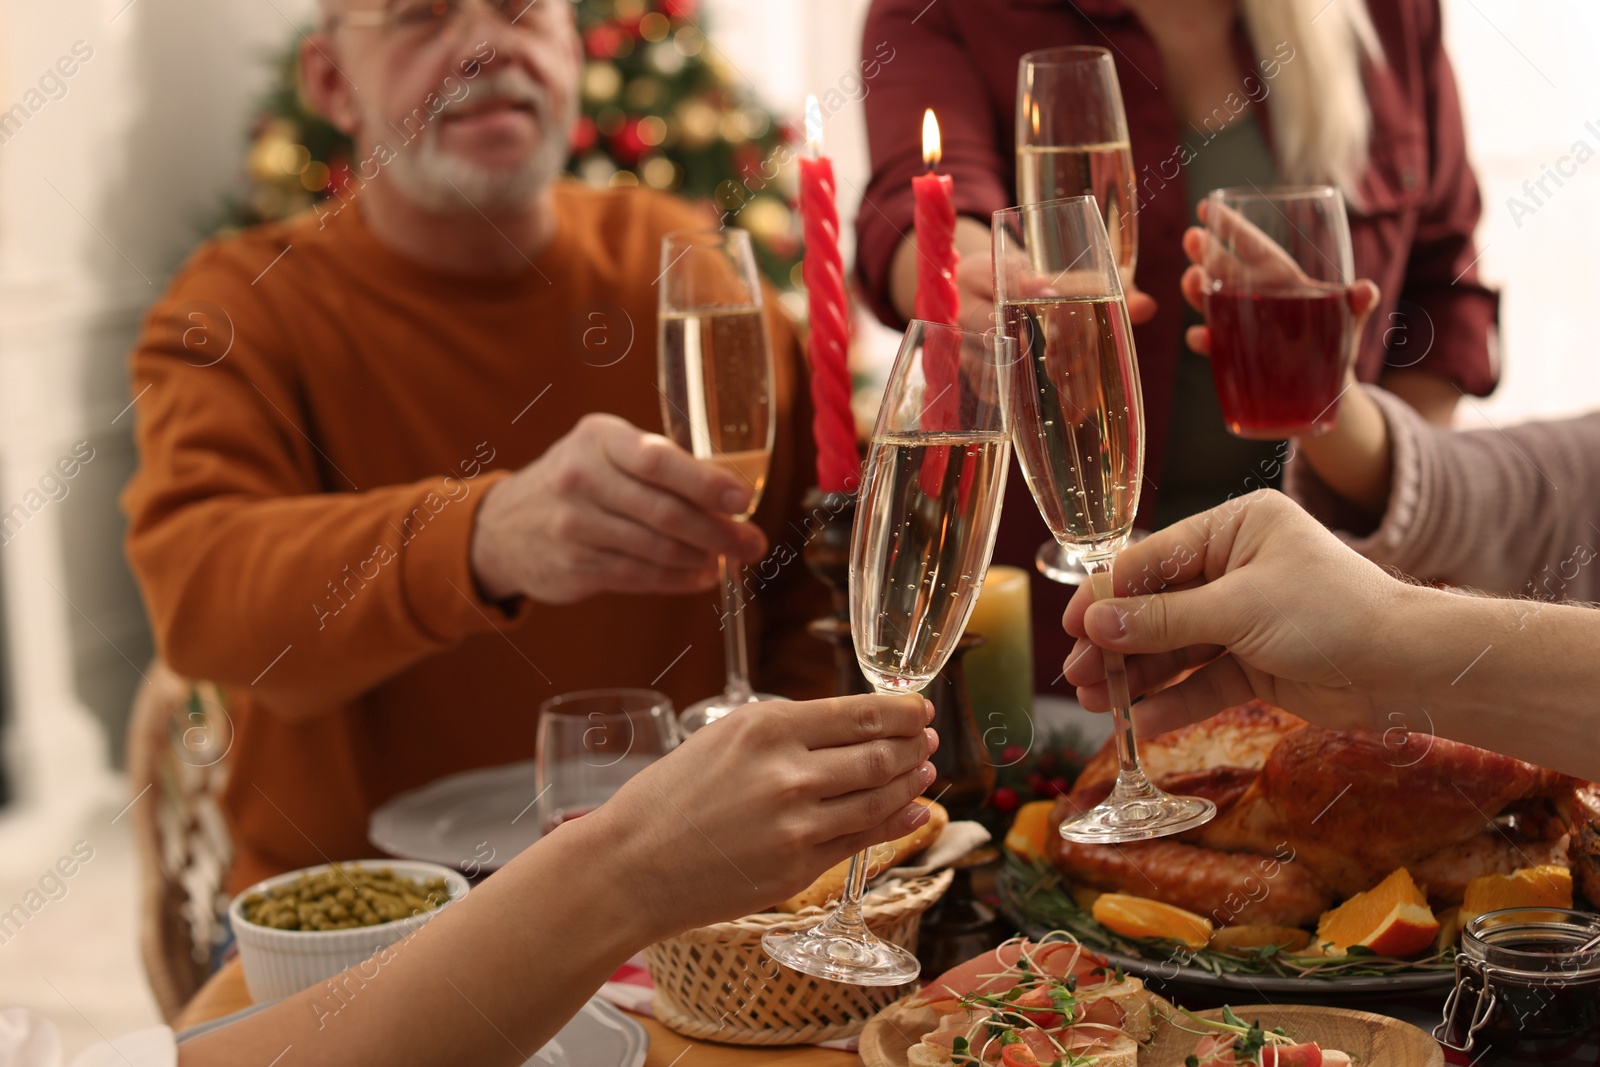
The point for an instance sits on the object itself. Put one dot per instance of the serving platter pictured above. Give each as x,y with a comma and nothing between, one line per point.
1367,1037
1166,967
1162,974
889,1034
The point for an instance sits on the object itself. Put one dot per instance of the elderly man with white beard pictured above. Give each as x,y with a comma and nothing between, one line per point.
399,477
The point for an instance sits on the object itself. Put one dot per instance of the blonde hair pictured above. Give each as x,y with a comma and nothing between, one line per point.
1321,123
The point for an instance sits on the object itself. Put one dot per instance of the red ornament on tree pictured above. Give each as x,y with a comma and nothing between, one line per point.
677,9
584,135
627,146
604,40
747,163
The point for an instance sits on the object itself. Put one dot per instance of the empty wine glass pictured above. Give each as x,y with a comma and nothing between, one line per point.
590,742
1078,423
925,527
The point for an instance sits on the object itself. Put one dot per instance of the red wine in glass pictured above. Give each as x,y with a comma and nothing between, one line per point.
1278,359
1278,264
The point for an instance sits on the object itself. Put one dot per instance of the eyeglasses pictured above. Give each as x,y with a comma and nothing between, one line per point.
421,17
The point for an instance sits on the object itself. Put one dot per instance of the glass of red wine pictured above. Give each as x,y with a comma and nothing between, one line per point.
1278,268
591,742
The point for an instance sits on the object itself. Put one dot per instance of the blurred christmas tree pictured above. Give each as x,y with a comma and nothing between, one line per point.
659,108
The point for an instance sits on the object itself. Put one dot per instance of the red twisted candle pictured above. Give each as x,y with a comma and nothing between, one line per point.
937,299
833,425
935,219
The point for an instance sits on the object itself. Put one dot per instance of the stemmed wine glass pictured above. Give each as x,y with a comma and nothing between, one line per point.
1078,422
716,402
925,527
1072,140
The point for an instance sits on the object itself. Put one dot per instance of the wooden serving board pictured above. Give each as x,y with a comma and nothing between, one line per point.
891,1032
1367,1037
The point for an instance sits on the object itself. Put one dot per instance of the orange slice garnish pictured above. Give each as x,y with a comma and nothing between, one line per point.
1392,919
1133,916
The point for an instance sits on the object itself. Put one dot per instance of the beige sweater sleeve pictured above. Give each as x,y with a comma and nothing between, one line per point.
1512,511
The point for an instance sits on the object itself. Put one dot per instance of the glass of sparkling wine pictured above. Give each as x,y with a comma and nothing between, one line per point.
925,527
716,402
1078,422
1072,140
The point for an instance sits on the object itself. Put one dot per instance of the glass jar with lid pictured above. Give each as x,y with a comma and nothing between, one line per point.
1524,974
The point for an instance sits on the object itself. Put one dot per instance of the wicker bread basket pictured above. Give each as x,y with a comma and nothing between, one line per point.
715,984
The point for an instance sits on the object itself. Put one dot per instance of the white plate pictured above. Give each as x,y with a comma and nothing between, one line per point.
475,821
598,1036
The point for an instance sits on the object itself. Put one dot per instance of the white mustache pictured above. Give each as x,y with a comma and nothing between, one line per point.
506,85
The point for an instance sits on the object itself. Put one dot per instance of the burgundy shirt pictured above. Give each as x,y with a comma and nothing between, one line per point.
1411,229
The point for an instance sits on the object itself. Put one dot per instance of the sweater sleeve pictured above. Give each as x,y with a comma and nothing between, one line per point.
261,563
1507,511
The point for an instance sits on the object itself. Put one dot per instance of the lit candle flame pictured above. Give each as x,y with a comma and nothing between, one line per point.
813,126
930,138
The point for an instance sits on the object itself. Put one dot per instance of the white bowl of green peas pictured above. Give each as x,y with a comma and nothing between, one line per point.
301,929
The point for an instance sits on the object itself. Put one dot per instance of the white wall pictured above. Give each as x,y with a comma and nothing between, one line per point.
1531,89
102,189
101,194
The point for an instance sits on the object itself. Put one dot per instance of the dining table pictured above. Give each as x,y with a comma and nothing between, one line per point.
225,993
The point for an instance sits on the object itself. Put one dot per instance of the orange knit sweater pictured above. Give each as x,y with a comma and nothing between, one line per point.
318,421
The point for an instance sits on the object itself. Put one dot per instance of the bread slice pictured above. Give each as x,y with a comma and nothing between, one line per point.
880,858
1142,1010
1122,1051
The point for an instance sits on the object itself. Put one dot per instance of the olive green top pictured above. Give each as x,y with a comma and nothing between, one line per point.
1205,464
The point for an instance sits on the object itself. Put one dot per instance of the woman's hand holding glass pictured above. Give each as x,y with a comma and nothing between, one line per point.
1261,255
751,812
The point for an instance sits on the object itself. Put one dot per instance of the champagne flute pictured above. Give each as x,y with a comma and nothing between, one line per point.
1278,266
716,402
925,527
1078,422
1072,140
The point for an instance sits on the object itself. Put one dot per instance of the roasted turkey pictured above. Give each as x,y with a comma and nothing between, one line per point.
1308,816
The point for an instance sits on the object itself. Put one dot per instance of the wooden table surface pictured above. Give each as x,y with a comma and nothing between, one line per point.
225,994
